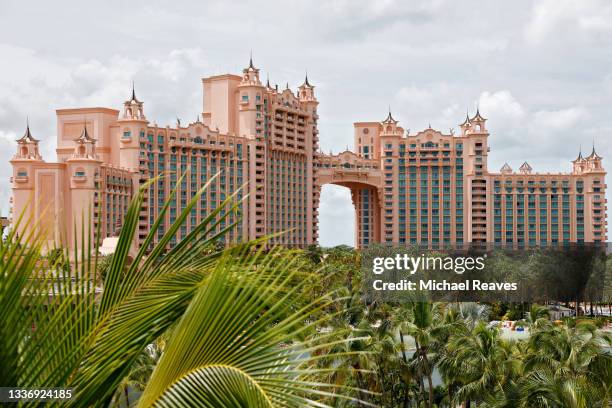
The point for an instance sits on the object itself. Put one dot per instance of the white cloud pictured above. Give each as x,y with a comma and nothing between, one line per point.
553,16
501,106
422,95
7,137
559,119
431,60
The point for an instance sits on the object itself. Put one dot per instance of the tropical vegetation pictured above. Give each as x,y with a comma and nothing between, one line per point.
424,354
253,325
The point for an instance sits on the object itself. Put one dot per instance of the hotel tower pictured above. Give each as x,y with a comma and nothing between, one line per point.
428,187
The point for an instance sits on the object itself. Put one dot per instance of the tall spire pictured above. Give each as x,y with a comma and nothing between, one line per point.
593,153
467,118
478,116
389,118
133,96
306,83
251,66
250,74
579,158
84,134
27,136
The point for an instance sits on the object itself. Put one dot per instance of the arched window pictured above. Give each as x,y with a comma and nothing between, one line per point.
81,150
24,151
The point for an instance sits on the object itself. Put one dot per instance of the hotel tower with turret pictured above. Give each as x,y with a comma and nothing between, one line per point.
426,187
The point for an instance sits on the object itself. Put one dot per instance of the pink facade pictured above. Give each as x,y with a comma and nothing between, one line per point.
255,137
426,187
436,189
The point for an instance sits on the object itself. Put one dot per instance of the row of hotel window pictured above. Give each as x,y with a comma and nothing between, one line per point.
161,140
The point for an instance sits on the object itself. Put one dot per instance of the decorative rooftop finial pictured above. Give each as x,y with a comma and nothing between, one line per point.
593,153
525,168
429,126
389,118
27,136
287,86
178,122
84,134
133,96
506,169
251,60
467,118
268,81
478,116
306,80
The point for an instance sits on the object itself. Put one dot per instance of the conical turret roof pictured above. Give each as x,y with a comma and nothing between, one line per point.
27,136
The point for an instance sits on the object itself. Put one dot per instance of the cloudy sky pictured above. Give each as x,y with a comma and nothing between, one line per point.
541,71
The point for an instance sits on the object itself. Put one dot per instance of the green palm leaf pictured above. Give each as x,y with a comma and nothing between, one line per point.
236,316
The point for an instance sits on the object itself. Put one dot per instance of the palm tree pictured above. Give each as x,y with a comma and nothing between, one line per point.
231,310
567,366
472,313
537,316
350,358
425,324
140,373
401,316
482,362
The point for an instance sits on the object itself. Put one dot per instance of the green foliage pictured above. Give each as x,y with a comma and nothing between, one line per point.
402,344
207,325
233,319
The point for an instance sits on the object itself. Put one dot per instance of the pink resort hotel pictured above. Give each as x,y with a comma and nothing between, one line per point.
425,187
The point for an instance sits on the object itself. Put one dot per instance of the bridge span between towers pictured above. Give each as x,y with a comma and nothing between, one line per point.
364,178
